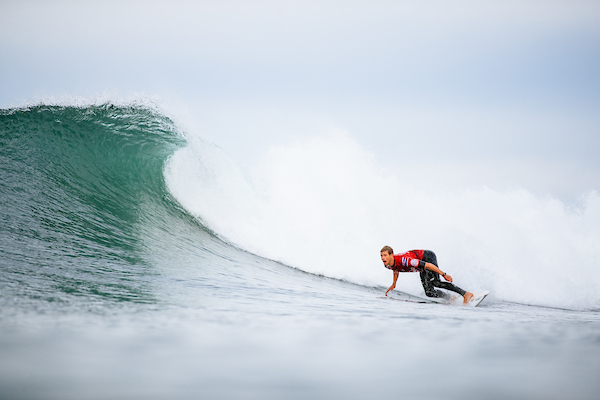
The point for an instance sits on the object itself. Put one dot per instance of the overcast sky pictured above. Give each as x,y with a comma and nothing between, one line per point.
504,87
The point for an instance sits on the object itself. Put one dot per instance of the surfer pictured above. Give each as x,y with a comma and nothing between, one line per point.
425,263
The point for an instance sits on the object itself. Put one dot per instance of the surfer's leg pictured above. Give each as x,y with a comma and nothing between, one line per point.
448,286
467,296
430,257
427,279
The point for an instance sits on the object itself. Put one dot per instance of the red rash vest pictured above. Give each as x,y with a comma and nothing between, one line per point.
407,262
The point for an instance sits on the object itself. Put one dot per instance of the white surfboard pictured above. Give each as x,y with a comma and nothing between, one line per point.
478,296
422,298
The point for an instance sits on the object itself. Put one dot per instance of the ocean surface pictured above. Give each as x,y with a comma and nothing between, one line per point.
137,261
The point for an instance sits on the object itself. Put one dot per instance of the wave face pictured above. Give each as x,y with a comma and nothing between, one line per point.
78,185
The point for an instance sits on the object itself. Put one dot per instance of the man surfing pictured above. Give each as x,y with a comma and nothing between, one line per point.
425,263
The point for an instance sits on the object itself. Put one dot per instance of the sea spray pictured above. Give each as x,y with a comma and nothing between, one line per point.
326,206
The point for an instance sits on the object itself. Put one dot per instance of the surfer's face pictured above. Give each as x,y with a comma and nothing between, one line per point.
387,258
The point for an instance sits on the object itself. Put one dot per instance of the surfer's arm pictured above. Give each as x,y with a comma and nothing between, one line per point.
393,284
433,268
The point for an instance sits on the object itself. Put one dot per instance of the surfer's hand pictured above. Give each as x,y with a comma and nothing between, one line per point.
448,278
391,288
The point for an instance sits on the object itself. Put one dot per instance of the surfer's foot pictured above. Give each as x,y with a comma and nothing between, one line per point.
468,296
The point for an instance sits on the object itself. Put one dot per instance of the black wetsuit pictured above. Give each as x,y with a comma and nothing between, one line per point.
431,280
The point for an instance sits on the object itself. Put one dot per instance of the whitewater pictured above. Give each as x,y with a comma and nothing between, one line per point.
138,260
327,206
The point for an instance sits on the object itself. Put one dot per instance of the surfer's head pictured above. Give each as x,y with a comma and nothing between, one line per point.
387,256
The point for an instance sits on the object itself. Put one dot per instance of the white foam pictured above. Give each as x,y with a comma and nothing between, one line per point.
327,206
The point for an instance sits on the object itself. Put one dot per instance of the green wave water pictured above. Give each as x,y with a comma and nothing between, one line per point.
77,185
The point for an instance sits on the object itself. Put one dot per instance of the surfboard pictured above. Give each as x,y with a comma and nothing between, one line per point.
478,296
414,298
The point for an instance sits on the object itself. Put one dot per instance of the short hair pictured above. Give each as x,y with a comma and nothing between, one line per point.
388,249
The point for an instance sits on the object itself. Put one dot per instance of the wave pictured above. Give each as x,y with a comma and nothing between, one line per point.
96,199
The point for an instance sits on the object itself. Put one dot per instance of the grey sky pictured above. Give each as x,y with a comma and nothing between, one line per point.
509,89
